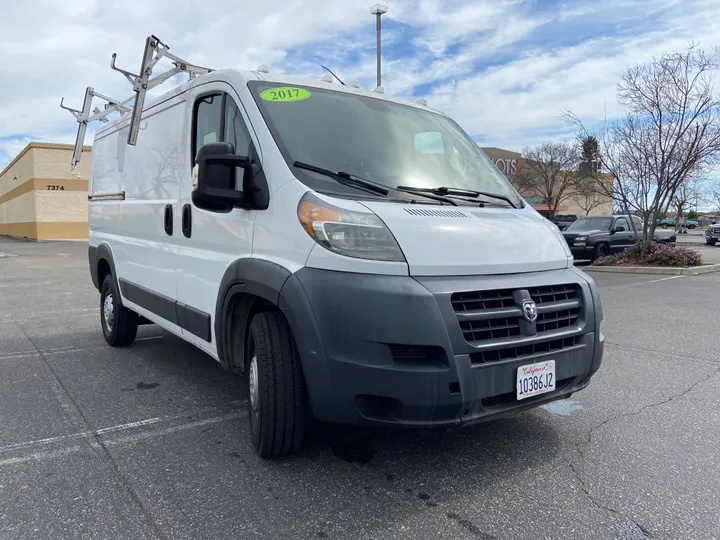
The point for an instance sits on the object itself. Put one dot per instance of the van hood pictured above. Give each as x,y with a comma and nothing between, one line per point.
442,241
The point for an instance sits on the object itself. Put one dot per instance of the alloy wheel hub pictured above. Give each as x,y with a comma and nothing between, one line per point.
108,312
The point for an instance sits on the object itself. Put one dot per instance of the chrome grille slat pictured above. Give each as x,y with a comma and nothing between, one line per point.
496,313
493,316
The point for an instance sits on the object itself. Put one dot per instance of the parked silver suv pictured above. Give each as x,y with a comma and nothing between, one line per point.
712,233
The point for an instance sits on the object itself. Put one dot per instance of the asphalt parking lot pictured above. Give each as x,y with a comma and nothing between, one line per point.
152,441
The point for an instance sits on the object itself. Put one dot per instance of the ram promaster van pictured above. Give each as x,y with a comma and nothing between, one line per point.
356,256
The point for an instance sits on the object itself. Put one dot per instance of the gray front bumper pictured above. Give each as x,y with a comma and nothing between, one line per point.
388,350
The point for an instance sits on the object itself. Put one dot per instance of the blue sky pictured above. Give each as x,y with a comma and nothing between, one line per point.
504,69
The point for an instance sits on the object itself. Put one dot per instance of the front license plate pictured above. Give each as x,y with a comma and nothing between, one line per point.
535,379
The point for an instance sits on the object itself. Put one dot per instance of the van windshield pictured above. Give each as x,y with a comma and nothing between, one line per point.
387,143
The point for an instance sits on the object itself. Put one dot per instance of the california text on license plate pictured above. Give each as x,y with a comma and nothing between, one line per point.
534,379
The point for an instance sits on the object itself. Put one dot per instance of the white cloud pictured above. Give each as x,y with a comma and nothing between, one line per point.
515,64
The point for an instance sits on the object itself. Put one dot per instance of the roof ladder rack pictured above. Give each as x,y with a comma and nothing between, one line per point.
155,50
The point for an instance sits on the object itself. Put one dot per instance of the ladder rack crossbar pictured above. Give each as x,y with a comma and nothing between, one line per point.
155,50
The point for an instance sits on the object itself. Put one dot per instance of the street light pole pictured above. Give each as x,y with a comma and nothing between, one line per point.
378,10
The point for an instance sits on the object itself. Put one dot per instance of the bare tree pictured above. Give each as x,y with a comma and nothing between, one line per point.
549,171
670,131
714,196
689,195
587,195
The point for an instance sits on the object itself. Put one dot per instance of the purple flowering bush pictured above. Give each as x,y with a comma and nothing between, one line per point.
658,255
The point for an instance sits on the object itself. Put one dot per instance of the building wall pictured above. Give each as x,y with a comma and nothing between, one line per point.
41,198
510,163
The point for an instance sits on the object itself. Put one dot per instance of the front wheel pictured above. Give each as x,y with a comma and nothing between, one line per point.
691,226
710,242
277,400
119,324
601,250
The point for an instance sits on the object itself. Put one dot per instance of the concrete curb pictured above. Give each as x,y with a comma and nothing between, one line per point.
656,270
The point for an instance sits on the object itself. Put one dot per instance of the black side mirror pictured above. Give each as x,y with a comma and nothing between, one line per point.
619,228
216,188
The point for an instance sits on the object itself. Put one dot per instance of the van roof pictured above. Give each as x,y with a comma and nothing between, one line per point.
239,78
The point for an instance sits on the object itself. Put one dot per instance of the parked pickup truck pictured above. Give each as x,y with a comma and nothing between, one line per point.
563,221
598,236
670,222
712,234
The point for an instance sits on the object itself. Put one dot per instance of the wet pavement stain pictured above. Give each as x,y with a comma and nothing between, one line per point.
146,386
236,456
353,451
469,526
564,407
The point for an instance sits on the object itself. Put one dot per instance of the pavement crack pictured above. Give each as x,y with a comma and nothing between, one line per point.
671,354
586,491
98,444
579,447
642,409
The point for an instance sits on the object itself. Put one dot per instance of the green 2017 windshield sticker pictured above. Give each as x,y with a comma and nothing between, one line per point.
285,94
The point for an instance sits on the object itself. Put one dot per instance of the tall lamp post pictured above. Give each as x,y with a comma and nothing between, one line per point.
378,10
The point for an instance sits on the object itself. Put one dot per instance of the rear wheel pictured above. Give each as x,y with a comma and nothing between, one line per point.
119,324
601,250
710,242
664,226
277,401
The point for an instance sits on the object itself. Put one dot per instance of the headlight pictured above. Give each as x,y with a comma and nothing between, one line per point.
355,234
581,239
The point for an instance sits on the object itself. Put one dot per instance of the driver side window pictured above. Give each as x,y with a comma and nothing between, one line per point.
208,121
622,222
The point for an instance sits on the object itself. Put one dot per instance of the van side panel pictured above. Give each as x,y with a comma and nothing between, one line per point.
146,256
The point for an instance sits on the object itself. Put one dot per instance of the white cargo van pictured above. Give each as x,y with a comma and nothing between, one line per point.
356,256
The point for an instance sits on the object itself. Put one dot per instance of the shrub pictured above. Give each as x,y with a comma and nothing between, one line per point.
658,255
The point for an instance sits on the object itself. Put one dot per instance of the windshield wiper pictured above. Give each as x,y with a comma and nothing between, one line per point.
442,190
347,178
426,193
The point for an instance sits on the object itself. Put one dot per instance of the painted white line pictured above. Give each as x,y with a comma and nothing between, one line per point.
57,350
111,429
13,356
173,429
664,279
49,454
148,338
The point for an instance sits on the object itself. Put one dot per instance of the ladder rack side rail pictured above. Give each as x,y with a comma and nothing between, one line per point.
82,126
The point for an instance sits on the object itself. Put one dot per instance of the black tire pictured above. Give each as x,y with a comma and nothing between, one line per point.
120,324
664,226
691,227
277,399
601,250
710,242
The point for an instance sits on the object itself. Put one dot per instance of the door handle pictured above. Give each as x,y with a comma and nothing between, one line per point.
187,221
168,219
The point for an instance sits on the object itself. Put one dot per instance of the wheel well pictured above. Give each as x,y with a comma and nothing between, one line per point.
103,270
241,309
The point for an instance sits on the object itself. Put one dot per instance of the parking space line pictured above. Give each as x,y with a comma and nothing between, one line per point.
664,279
49,454
111,429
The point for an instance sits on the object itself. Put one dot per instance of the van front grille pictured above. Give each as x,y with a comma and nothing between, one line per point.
490,315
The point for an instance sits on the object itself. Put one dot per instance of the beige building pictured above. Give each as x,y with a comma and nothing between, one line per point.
510,163
41,198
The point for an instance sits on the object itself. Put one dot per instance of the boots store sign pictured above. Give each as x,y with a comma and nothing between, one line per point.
509,167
